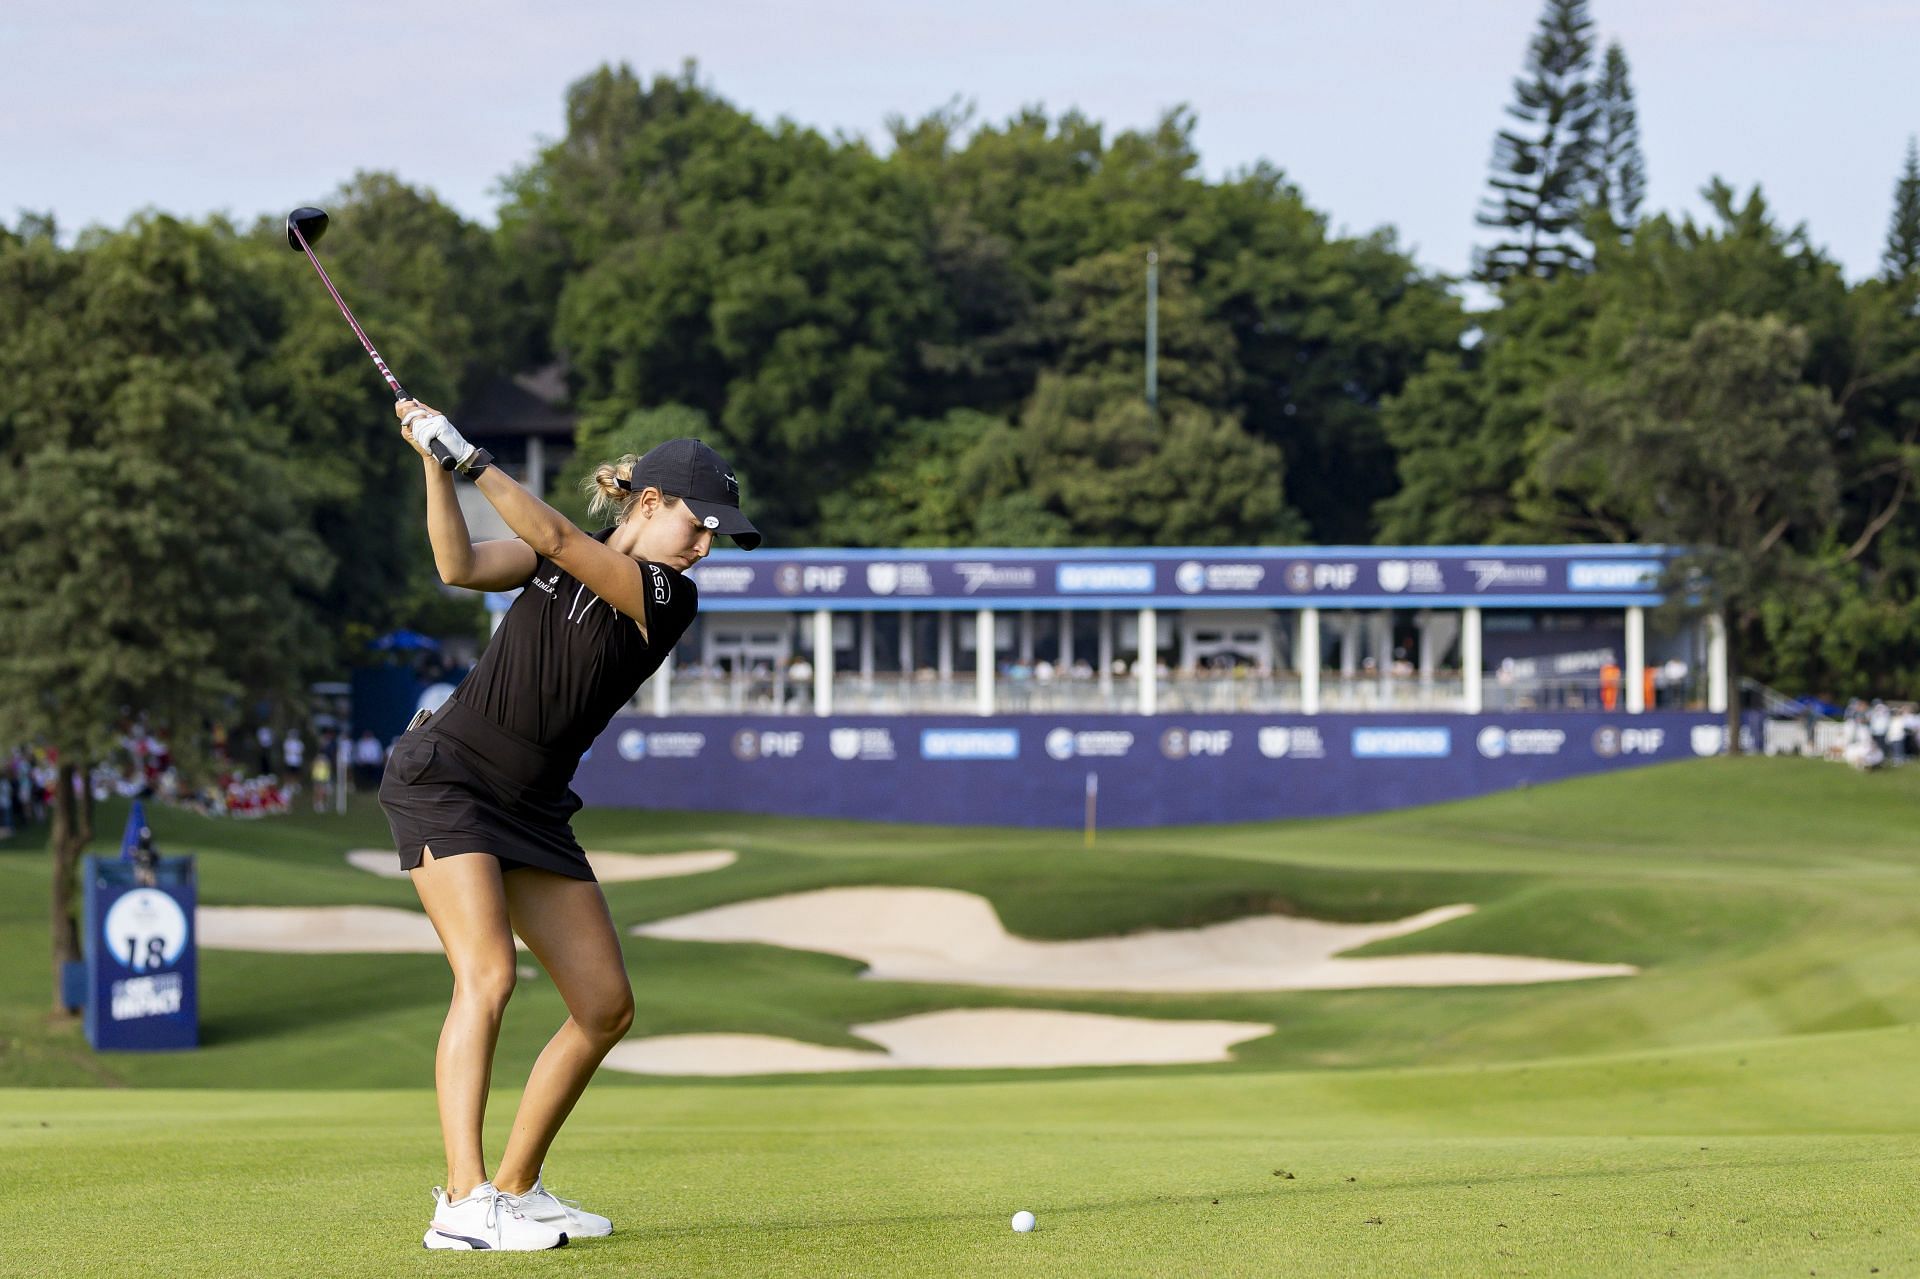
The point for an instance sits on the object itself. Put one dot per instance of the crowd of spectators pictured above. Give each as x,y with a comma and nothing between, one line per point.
266,776
1874,734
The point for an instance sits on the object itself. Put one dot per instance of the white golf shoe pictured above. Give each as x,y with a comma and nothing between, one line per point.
488,1220
541,1205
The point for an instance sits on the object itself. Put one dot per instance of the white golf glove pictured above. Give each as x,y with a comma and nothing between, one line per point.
428,428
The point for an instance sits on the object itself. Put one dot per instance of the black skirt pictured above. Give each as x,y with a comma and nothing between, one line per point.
462,784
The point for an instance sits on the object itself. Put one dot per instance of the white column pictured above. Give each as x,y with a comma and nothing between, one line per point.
1470,662
906,646
1066,642
536,466
822,662
1349,644
1307,658
1148,663
662,681
1716,663
1026,637
866,648
983,646
1380,640
1428,658
1105,652
944,626
1636,672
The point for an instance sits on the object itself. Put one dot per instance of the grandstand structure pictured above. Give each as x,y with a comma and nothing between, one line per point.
1031,686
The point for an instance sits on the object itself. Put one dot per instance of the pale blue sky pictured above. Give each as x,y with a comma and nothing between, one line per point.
1383,111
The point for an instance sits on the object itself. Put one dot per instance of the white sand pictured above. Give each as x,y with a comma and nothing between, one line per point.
610,868
959,1039
318,930
942,935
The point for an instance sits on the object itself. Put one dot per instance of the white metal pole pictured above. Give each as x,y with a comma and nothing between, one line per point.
1636,659
822,662
983,653
1147,660
1470,661
1308,659
1105,653
662,681
1717,663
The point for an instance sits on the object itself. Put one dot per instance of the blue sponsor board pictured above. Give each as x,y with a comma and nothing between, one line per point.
969,743
1104,579
1390,742
1251,577
1614,575
1163,770
142,967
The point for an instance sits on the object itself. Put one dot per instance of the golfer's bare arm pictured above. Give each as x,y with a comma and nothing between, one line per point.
543,532
614,577
485,566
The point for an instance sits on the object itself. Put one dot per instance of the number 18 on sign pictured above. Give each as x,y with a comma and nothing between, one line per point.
141,961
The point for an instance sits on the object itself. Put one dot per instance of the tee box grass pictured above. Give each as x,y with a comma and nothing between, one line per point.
1746,1105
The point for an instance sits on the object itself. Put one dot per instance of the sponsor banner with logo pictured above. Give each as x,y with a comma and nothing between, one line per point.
1280,576
1032,770
142,960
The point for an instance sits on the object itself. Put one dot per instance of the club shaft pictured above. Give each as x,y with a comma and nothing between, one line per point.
399,393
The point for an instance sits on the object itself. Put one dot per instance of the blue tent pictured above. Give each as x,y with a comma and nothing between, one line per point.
405,642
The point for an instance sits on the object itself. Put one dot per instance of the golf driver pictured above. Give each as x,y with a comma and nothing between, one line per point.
305,225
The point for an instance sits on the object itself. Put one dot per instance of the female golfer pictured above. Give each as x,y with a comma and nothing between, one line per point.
478,796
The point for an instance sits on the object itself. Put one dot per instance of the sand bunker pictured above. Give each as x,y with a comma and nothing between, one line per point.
960,1039
319,930
942,935
611,868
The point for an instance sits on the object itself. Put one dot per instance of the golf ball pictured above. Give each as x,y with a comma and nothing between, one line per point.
1023,1222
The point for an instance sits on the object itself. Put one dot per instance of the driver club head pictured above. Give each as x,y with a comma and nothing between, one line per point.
310,222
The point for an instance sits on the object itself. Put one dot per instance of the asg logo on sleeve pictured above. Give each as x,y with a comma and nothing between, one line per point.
662,587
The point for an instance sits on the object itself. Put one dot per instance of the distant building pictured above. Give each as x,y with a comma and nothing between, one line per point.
523,421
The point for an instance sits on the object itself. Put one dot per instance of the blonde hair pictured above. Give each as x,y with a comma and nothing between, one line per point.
606,491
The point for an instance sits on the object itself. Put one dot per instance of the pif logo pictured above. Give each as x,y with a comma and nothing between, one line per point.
749,744
1611,742
1194,743
1303,576
824,579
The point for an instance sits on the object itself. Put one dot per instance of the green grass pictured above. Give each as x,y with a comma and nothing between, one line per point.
1746,1105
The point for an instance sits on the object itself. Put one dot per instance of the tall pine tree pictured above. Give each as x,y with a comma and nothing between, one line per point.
1543,173
1619,173
1902,258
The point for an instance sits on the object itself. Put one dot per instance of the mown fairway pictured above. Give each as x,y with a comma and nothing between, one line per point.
1748,1105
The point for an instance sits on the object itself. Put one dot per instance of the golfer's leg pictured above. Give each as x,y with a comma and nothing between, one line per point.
465,901
565,924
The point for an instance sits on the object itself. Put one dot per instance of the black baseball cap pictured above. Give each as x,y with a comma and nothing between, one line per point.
694,473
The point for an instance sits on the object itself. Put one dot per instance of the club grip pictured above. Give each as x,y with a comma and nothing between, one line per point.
441,455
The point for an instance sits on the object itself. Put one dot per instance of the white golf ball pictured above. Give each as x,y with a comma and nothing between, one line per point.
1023,1222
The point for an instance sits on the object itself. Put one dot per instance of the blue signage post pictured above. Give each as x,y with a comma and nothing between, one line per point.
142,972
